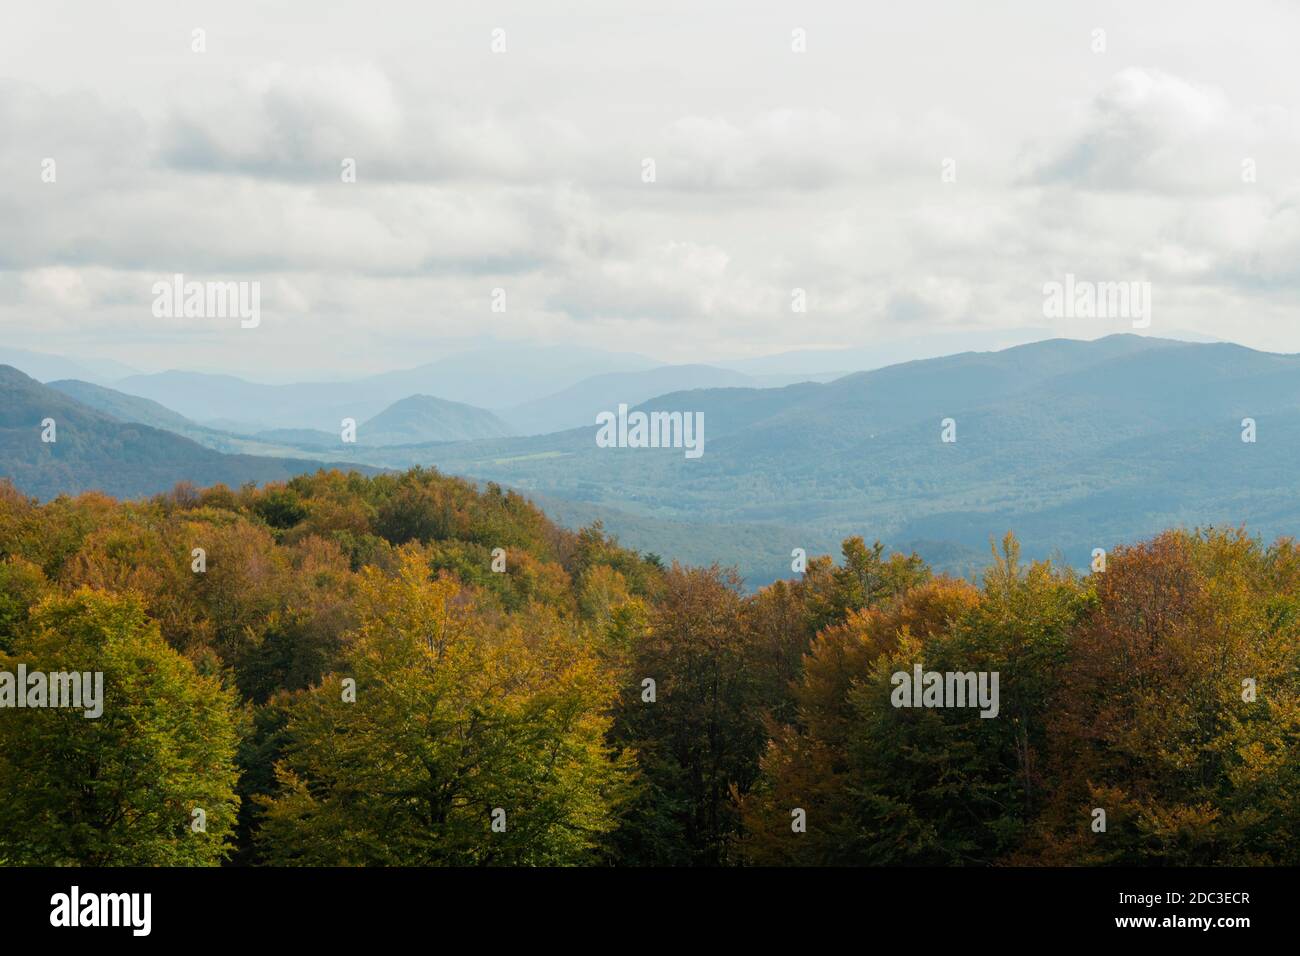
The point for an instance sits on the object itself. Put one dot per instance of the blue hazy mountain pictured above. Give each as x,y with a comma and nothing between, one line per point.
578,404
843,361
204,397
144,411
493,378
423,418
44,367
94,451
1073,445
505,375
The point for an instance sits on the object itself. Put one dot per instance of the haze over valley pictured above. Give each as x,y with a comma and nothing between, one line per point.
1072,444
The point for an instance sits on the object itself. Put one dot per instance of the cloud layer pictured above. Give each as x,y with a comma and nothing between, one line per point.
909,181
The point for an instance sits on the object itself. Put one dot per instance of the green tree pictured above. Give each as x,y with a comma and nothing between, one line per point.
120,789
700,739
21,584
459,715
820,761
1179,711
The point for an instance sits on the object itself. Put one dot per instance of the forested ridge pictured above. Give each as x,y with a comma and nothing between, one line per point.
407,670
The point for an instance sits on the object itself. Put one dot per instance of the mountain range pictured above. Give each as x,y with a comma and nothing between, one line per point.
534,390
232,404
487,379
1072,444
45,367
579,404
93,451
419,418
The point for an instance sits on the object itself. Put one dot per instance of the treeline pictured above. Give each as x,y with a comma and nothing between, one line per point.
406,670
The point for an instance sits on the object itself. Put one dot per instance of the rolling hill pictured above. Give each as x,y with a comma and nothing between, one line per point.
124,407
203,397
505,375
1072,444
144,411
578,404
45,367
487,378
95,451
423,418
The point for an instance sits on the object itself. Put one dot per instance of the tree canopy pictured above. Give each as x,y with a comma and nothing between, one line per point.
410,669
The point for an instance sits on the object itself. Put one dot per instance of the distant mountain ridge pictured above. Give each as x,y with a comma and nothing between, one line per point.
423,418
45,367
124,407
484,379
95,452
579,404
144,411
1072,444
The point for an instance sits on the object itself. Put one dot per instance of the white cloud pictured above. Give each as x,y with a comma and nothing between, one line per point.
1149,131
819,171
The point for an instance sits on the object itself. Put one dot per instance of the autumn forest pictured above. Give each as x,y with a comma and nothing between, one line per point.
407,670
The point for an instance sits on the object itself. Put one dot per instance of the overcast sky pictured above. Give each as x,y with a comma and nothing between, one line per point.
522,170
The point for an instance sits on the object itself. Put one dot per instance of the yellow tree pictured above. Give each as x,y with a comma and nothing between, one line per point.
453,733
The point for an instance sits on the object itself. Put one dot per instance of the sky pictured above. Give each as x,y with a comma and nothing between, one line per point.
918,170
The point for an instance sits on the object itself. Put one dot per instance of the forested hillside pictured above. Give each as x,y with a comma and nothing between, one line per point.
52,444
1074,444
403,669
